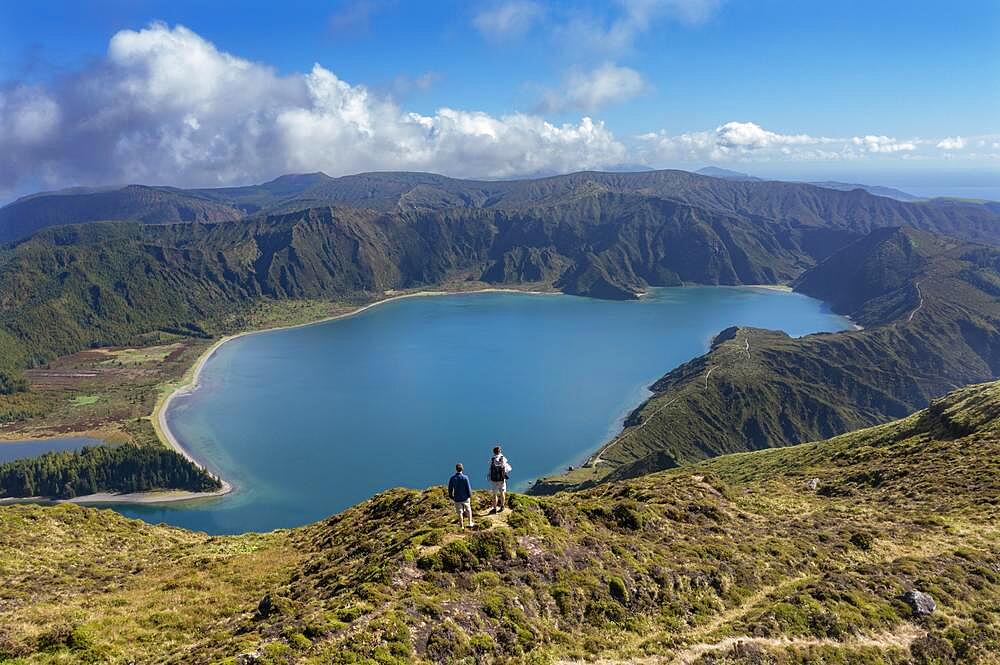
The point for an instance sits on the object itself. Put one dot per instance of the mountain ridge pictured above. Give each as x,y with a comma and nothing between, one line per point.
779,201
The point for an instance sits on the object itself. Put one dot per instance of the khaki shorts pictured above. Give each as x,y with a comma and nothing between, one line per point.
498,486
464,508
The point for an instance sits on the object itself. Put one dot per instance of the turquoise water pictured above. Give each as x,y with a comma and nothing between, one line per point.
35,447
310,420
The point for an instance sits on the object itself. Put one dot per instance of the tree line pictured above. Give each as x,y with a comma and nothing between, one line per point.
127,468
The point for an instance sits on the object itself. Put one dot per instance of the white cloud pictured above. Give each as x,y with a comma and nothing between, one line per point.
166,106
590,90
584,31
730,141
27,116
508,19
404,85
882,144
751,136
952,143
748,141
353,18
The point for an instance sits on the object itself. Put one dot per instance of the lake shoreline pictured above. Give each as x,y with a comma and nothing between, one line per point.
189,385
190,382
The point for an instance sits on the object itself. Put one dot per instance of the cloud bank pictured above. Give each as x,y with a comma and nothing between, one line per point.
748,141
166,106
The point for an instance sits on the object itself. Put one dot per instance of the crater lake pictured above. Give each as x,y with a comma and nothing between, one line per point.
307,421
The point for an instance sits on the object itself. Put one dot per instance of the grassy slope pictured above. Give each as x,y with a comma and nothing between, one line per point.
675,564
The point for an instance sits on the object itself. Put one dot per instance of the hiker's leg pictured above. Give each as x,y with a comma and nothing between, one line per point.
468,508
460,509
503,498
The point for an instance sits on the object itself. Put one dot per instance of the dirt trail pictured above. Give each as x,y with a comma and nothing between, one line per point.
920,302
900,638
743,608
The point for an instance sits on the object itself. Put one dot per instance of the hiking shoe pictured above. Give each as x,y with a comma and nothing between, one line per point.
471,525
500,509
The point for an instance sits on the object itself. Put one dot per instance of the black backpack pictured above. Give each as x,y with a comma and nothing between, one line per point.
498,471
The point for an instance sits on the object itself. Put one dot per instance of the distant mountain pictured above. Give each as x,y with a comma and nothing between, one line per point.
726,174
150,205
253,198
68,288
798,204
877,190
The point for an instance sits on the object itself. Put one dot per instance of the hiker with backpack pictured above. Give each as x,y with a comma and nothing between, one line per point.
460,491
498,475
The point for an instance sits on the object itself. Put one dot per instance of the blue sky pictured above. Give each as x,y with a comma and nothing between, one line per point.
900,91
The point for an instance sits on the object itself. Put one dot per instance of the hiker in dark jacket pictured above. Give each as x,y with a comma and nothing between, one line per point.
460,491
498,475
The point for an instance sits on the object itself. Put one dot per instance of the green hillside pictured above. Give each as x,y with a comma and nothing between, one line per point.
745,557
70,288
932,323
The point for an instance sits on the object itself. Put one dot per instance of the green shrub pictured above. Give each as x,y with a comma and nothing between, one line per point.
863,541
453,557
299,641
493,544
447,642
485,579
563,595
616,587
602,612
432,538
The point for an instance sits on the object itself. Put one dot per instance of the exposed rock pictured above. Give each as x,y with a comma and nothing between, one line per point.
248,658
921,603
812,484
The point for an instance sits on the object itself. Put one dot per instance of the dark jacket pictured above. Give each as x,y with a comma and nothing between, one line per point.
459,487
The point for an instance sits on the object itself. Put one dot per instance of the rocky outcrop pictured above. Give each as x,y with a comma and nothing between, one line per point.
921,603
